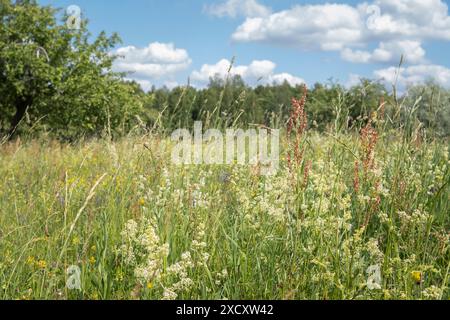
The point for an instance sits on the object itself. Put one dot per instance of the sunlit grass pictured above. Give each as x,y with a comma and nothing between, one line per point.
297,235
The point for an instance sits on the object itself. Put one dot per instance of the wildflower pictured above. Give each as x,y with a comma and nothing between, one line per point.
76,241
28,294
199,199
142,202
374,250
149,285
92,260
169,295
417,277
432,293
356,177
41,264
119,275
298,122
369,138
205,258
142,244
130,229
183,285
345,202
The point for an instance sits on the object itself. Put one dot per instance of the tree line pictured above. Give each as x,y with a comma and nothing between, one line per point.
59,81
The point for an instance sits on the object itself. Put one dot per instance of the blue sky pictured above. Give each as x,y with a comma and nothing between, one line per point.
165,42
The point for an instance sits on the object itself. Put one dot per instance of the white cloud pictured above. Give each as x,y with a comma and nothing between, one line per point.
388,52
155,52
326,27
234,8
208,71
418,19
413,75
282,77
396,27
257,72
156,61
356,56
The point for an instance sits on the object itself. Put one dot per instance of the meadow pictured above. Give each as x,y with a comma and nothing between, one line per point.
349,216
92,205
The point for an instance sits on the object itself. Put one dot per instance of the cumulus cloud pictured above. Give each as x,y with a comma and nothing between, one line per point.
413,75
396,27
341,25
418,19
388,52
235,8
326,27
356,56
257,72
157,61
280,78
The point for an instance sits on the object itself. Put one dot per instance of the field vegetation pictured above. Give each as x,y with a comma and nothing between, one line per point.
92,207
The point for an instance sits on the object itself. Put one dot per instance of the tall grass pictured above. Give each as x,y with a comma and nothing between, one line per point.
139,227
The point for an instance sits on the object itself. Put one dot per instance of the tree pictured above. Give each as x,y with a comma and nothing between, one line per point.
58,76
432,105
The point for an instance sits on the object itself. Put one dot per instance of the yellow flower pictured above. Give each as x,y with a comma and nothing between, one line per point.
42,264
417,276
119,275
92,260
94,248
149,285
76,241
141,202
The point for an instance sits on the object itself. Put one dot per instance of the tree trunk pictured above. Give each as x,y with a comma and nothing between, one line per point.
22,106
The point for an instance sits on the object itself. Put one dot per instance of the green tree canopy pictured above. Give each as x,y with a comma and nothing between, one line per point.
59,76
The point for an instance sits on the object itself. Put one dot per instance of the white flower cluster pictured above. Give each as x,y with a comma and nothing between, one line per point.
221,276
199,199
270,199
143,250
199,246
179,271
374,250
432,293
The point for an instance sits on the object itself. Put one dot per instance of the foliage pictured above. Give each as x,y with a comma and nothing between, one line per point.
153,230
57,77
433,107
329,106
